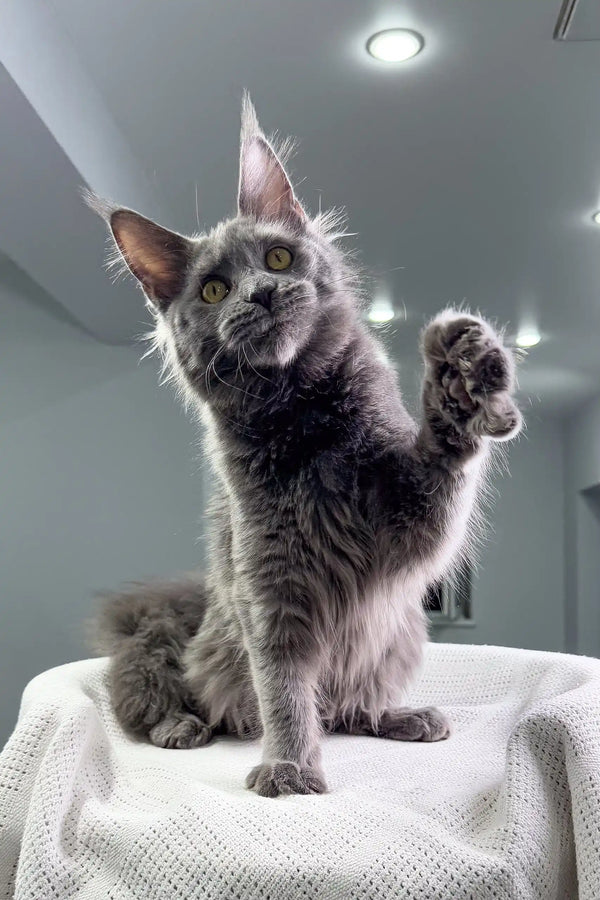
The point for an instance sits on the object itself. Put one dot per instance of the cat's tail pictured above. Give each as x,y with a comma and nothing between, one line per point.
145,629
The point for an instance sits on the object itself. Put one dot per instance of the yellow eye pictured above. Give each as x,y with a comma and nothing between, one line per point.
279,258
214,291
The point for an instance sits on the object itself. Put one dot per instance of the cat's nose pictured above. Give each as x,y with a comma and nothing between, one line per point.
263,296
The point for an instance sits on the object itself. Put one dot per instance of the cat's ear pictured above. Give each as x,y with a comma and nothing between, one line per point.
157,257
265,190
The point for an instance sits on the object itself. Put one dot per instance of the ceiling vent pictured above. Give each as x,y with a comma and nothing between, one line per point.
578,20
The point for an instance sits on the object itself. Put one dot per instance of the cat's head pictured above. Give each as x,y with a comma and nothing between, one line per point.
265,288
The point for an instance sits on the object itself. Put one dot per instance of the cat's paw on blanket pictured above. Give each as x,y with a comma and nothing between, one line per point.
270,779
427,724
470,376
180,731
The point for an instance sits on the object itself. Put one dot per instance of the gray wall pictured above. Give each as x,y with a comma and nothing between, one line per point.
97,483
582,522
519,587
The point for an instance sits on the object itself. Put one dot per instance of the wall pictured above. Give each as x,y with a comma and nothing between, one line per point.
98,483
582,520
519,588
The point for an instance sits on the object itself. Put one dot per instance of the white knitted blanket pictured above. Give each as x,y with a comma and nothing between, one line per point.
509,807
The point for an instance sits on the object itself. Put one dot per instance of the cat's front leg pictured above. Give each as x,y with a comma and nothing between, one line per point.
285,663
468,386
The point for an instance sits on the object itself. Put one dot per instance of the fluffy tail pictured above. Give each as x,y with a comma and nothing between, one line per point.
145,629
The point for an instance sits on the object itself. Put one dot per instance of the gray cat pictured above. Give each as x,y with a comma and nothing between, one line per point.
333,510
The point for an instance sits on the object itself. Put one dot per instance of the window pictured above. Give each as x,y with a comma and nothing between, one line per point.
451,600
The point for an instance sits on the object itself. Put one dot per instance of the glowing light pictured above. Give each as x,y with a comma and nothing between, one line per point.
596,217
395,45
381,311
528,337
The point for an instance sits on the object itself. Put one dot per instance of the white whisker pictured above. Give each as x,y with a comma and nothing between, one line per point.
264,377
233,386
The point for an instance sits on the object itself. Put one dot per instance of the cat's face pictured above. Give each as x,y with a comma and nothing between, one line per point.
255,287
261,289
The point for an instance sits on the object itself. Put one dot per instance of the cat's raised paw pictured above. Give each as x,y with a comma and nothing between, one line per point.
427,724
180,731
271,779
470,377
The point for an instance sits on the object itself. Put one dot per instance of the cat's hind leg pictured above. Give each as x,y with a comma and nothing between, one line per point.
404,724
180,730
146,629
426,724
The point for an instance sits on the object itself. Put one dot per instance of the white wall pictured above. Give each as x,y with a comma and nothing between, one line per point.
519,588
582,484
98,483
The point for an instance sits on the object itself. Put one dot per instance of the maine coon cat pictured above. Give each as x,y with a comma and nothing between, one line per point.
333,511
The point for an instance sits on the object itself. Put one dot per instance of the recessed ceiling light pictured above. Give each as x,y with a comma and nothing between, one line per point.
596,217
380,311
528,337
395,44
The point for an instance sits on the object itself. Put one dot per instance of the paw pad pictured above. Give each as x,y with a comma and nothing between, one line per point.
470,377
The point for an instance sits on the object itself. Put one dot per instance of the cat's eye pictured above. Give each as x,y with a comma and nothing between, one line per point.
279,258
214,291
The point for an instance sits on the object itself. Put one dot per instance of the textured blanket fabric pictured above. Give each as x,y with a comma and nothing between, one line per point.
509,807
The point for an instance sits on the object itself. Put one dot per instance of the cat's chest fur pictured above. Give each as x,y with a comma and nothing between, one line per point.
299,442
310,508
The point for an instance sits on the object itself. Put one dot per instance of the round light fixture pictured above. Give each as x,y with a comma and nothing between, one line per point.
528,337
380,311
395,44
596,217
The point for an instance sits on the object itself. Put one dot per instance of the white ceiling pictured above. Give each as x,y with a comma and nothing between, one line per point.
470,172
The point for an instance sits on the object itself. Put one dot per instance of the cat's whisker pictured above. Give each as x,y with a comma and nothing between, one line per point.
197,212
234,386
319,216
264,377
239,365
379,272
207,370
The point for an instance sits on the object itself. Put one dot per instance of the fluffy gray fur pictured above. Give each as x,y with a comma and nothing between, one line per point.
333,511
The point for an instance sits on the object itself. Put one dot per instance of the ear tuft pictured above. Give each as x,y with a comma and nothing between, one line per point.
102,207
250,126
265,191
